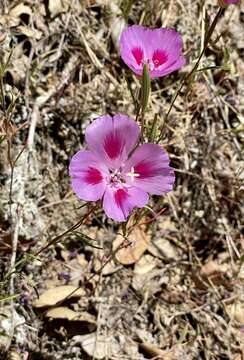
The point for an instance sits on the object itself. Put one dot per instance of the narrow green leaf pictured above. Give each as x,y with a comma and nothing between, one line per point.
153,131
2,138
8,297
145,88
3,333
87,240
126,7
211,68
1,69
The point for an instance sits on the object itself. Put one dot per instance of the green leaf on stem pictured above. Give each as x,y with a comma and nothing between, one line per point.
145,88
153,130
85,239
8,297
2,138
242,259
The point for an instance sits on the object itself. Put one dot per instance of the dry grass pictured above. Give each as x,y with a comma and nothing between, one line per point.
182,300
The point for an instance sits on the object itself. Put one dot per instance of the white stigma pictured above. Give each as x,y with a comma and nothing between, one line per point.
132,174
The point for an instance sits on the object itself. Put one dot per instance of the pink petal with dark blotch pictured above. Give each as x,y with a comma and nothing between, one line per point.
169,69
161,48
133,38
150,163
119,203
88,175
113,145
112,138
138,55
93,176
159,57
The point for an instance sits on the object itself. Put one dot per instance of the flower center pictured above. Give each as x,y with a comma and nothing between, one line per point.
159,58
116,177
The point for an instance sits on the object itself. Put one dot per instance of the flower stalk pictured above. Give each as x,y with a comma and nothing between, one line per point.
187,78
145,93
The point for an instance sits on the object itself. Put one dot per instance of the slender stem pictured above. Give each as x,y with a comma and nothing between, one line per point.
188,76
11,188
57,238
153,218
15,237
2,95
145,93
142,125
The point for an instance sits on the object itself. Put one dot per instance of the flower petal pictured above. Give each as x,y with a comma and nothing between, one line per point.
160,48
112,138
168,40
148,169
227,2
119,202
170,43
181,61
88,175
132,46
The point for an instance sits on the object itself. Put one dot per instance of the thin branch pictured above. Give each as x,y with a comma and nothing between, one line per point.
188,76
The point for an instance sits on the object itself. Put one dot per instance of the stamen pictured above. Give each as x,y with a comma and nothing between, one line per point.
116,177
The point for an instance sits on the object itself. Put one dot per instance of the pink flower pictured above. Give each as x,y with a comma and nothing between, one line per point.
227,2
160,48
106,171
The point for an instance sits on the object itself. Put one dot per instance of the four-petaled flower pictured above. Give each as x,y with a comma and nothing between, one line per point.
160,48
107,172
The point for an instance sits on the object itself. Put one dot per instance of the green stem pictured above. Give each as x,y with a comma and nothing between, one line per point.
188,76
145,93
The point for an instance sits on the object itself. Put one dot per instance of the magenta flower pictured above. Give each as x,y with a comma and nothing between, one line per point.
227,2
160,48
106,171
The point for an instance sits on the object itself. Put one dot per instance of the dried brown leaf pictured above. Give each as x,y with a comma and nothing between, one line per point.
57,7
150,282
108,269
153,351
63,312
138,242
163,249
53,296
28,32
19,10
236,312
145,264
99,347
